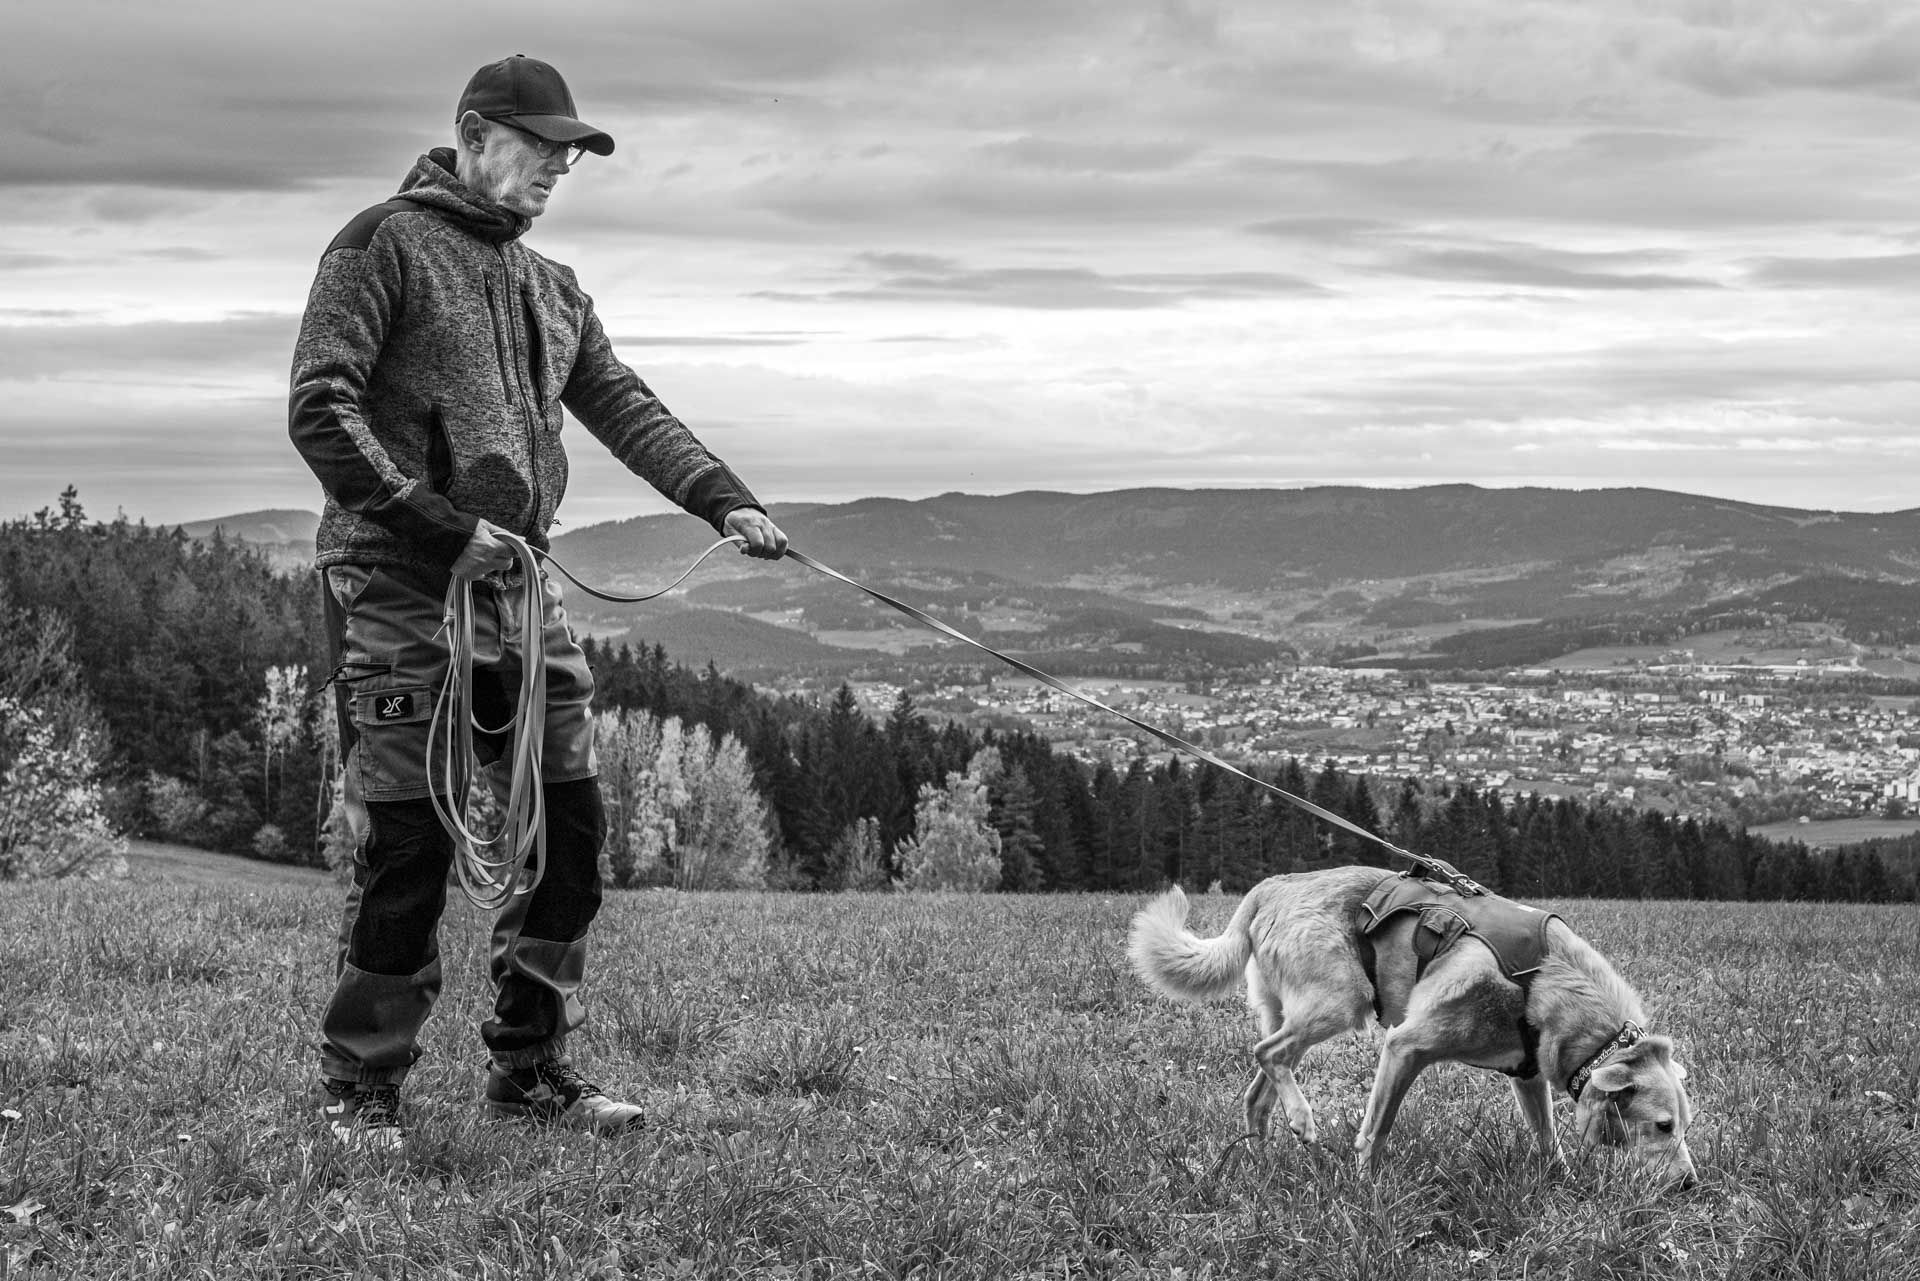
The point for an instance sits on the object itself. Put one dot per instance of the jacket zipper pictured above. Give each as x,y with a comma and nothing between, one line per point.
510,373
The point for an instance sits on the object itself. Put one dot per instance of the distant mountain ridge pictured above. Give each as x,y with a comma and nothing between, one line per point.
1320,566
274,525
1257,539
284,534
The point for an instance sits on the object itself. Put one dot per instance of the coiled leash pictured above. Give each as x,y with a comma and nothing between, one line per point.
492,869
491,877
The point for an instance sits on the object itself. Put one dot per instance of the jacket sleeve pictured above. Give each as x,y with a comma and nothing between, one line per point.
355,297
624,415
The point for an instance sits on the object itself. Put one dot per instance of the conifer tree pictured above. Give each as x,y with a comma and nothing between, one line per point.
1011,802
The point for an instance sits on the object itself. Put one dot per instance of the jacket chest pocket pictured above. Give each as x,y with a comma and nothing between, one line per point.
552,342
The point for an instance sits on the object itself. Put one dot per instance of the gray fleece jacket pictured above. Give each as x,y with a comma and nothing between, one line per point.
434,359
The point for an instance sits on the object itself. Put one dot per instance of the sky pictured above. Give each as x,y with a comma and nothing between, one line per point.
908,247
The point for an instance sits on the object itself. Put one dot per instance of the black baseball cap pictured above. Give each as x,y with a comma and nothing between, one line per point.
529,94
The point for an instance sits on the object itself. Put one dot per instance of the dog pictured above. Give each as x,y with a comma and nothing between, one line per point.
1319,957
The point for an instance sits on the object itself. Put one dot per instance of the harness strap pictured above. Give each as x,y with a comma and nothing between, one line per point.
1369,965
1425,948
1529,1065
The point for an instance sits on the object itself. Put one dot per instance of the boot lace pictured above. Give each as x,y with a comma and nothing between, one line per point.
378,1106
566,1078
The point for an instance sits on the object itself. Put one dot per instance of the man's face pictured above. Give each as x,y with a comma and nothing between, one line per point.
510,171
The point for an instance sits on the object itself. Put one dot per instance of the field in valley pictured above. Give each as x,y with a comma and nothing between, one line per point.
899,1086
1813,644
1827,833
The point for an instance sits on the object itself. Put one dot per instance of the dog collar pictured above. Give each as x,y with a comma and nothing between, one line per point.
1629,1035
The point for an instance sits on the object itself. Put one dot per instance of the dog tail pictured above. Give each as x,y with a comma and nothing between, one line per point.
1172,959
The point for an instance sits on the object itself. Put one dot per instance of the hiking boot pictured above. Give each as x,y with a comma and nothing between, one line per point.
556,1093
363,1117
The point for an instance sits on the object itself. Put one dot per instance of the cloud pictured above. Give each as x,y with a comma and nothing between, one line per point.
1881,271
157,462
912,278
708,340
1538,268
1324,228
1869,48
1092,156
1197,242
1645,396
247,343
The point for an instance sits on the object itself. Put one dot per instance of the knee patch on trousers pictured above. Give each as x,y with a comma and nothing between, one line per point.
403,889
570,890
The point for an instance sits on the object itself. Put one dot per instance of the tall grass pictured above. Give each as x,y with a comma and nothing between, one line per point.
898,1086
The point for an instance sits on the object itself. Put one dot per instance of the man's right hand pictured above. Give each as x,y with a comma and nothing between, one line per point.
484,552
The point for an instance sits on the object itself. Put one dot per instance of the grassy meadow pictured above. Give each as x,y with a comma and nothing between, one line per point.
895,1086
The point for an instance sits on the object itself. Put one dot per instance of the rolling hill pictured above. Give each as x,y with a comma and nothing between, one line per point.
1410,574
735,642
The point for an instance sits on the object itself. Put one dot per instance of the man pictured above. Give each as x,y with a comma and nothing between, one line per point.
435,358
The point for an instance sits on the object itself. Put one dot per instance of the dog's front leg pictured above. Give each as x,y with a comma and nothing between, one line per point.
1401,1059
1535,1100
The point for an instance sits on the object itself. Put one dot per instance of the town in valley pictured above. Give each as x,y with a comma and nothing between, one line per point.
1753,744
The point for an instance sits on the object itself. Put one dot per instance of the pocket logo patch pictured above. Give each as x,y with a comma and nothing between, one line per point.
406,706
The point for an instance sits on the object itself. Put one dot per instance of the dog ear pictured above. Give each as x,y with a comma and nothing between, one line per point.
1611,1079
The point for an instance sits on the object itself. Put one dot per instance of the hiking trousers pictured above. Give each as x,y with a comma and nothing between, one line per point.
390,659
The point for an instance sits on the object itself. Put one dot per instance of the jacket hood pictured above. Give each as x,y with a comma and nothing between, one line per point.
431,182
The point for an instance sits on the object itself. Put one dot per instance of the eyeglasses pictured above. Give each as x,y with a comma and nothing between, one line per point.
546,148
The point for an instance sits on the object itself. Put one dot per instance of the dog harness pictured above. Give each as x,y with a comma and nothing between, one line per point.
1515,933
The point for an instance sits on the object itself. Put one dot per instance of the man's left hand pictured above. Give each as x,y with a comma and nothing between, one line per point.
764,538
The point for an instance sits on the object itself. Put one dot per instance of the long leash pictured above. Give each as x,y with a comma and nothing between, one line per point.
1436,868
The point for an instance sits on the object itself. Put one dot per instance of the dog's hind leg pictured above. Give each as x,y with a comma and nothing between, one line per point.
1535,1100
1312,1016
1258,1100
1267,1013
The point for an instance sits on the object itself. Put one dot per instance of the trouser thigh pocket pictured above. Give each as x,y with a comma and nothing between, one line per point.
392,726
